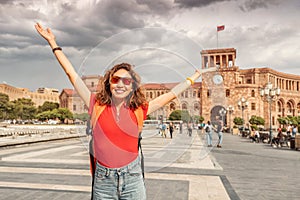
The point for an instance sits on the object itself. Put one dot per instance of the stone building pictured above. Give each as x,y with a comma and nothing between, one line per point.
38,97
69,98
238,83
220,90
188,100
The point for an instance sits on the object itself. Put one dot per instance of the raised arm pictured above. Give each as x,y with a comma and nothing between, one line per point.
76,81
162,100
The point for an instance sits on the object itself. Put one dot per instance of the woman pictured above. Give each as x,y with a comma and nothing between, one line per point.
208,130
118,172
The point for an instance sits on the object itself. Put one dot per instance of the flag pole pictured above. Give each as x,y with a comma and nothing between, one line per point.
217,39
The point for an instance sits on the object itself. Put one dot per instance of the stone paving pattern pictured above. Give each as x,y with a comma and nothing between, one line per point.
179,168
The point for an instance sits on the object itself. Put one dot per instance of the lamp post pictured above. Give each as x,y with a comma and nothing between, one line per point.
222,113
230,110
243,104
270,94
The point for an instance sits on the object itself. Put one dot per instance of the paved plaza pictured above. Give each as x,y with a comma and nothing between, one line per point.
179,168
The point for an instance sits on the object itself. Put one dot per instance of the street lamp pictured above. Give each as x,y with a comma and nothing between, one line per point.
222,113
270,95
230,110
243,104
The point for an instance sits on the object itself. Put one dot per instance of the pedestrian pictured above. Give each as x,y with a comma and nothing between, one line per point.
118,171
163,130
190,129
220,133
171,129
180,128
208,131
294,131
289,130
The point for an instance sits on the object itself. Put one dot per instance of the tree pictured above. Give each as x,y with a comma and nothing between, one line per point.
63,113
180,115
43,116
82,116
150,117
256,120
48,106
60,113
24,108
198,119
4,101
238,121
282,120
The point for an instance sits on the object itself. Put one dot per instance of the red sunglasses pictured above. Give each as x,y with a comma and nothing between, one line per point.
125,80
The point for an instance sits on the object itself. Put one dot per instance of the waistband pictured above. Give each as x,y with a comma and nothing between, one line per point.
124,169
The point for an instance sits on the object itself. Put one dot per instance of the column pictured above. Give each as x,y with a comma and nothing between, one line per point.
221,60
215,61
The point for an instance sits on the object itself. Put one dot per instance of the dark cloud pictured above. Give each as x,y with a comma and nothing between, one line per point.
5,2
250,5
157,6
196,3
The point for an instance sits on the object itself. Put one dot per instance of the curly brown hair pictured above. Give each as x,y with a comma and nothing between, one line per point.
135,99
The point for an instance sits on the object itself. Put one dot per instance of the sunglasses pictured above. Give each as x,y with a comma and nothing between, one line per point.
116,79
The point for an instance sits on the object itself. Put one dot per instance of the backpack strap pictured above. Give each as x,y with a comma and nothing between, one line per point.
139,114
97,110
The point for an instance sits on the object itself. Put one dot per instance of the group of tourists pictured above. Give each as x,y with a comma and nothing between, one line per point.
218,128
164,127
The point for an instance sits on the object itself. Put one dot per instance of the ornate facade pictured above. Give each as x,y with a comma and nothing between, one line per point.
246,83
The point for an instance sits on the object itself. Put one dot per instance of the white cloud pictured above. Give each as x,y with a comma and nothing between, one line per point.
93,33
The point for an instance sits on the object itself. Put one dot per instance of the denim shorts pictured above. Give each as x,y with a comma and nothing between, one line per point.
126,183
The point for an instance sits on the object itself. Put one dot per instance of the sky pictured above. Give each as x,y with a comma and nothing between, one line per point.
161,38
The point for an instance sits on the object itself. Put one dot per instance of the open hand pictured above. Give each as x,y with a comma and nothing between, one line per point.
45,33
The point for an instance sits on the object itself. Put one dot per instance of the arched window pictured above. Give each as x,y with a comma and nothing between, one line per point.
227,92
208,93
252,93
196,106
172,106
289,108
184,106
151,95
298,108
186,94
279,106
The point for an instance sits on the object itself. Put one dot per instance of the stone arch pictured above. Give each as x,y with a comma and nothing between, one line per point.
290,107
215,114
196,105
280,106
184,105
172,106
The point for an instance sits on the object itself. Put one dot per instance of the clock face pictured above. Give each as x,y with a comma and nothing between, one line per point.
217,79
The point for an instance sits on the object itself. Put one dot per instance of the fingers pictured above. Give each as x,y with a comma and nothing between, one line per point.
38,27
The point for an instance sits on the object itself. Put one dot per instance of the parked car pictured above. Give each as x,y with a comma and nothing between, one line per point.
51,121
